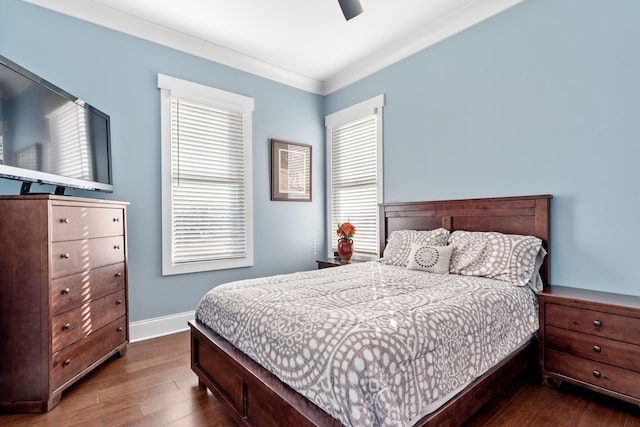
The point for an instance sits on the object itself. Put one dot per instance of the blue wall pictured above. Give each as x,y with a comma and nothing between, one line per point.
117,73
543,98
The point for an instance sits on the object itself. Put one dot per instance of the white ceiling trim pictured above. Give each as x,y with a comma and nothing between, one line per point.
99,14
445,27
433,33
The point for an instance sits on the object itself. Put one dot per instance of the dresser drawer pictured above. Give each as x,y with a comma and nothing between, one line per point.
77,223
592,347
77,256
70,361
72,325
622,328
595,373
71,291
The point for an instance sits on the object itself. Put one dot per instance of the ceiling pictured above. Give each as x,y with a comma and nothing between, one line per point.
307,44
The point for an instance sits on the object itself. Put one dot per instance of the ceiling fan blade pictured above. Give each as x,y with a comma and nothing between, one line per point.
350,8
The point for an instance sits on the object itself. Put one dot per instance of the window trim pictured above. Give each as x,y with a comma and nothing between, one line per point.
172,86
371,106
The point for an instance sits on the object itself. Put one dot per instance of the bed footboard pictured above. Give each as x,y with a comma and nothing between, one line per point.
255,397
251,394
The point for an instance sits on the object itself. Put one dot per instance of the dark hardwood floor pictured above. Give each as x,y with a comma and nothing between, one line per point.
153,386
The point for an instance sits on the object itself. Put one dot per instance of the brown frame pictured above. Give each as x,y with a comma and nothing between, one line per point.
254,396
285,191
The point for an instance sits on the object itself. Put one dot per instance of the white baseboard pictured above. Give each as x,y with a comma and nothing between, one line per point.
159,326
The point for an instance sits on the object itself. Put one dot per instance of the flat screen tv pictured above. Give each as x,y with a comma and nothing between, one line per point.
49,136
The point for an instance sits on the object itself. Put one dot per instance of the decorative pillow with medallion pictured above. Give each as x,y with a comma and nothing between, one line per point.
399,244
507,257
433,259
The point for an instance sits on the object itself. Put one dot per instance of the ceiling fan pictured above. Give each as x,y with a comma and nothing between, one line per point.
350,8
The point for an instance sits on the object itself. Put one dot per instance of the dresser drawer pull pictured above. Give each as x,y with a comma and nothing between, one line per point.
597,374
119,302
116,219
66,326
597,348
65,256
119,329
67,362
64,220
116,247
66,291
118,274
597,323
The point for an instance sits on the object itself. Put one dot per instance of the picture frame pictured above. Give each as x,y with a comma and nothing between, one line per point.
290,171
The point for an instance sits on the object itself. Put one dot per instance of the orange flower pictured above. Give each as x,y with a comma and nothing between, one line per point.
346,230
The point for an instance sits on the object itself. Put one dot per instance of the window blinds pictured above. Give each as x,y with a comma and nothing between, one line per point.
354,181
207,183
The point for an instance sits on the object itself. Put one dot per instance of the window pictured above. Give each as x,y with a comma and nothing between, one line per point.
354,173
206,178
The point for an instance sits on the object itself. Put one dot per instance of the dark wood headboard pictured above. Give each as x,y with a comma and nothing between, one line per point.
527,215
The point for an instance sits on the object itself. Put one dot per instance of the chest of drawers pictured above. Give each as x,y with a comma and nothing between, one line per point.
63,294
591,339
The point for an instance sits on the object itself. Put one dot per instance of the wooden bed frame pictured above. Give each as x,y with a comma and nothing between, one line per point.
255,397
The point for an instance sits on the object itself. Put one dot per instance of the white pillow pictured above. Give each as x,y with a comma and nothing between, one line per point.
508,257
399,244
434,259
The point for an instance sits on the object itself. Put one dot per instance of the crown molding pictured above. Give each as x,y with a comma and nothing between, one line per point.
433,33
442,29
101,15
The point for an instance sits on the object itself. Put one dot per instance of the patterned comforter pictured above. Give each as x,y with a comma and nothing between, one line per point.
373,344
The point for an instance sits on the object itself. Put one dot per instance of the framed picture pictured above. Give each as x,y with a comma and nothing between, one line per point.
290,171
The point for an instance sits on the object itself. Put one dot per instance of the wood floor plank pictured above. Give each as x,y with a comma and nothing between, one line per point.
153,385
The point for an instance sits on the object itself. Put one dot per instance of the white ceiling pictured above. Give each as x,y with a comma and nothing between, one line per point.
303,43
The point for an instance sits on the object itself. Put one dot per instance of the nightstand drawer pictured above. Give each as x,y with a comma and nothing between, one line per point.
595,373
599,349
606,325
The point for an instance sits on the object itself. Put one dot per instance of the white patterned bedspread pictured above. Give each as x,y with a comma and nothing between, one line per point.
373,344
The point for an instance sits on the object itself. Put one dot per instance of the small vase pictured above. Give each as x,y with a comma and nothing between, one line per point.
345,248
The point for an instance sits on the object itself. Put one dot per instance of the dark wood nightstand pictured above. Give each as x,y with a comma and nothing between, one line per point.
591,339
336,262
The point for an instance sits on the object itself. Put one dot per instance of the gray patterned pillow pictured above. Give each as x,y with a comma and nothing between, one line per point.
399,244
507,257
434,259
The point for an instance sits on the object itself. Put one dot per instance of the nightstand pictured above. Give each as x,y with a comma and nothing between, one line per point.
336,262
591,339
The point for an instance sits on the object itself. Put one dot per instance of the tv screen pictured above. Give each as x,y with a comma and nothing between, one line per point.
49,136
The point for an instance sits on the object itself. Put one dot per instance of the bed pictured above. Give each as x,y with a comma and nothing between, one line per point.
255,396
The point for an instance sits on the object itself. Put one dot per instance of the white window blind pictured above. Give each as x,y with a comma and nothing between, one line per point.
207,183
207,217
355,173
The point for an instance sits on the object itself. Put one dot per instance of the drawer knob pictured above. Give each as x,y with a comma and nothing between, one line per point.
597,374
66,291
119,302
597,348
67,362
65,256
116,247
66,326
116,219
64,220
118,274
119,329
597,323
